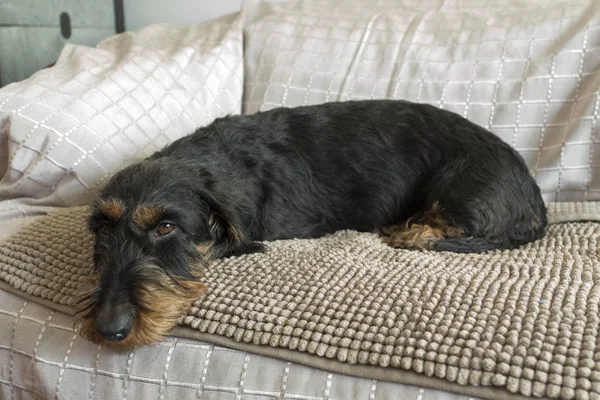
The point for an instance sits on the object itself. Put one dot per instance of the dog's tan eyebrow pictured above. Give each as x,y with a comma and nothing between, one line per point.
112,208
147,215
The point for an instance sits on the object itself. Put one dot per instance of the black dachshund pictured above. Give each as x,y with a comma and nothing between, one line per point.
422,177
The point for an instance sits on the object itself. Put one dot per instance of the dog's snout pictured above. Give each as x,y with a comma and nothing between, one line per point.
115,328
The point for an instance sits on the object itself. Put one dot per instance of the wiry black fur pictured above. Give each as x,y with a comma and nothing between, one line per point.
309,171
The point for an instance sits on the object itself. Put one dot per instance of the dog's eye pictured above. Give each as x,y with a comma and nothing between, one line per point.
164,229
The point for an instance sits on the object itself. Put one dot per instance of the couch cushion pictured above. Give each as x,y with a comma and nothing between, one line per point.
75,124
493,325
526,71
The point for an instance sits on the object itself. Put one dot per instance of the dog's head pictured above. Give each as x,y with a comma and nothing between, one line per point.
156,225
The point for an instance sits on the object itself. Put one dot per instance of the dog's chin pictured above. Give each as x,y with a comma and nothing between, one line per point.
161,304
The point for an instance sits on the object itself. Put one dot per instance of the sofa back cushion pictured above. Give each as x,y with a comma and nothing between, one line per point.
526,70
67,129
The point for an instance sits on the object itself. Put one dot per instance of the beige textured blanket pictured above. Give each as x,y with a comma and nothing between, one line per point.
523,322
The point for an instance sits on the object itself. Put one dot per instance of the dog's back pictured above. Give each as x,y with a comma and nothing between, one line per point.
308,171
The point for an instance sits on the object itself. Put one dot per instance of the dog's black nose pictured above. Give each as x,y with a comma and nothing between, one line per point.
115,329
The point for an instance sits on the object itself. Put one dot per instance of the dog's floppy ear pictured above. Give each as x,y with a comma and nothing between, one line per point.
229,238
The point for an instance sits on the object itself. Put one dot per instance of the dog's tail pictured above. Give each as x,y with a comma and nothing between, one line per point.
468,245
511,235
514,239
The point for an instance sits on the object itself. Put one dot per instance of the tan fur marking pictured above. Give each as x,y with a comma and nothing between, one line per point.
163,304
112,208
421,231
234,233
205,249
418,236
147,215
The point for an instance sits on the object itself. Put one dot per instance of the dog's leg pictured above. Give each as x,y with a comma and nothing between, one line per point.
421,231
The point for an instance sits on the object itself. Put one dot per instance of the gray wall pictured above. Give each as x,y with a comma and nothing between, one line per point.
30,34
139,13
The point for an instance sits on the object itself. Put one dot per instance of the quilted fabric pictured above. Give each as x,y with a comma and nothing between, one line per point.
41,358
75,124
524,320
527,70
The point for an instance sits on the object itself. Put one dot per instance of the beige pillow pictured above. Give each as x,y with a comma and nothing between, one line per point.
526,70
75,124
